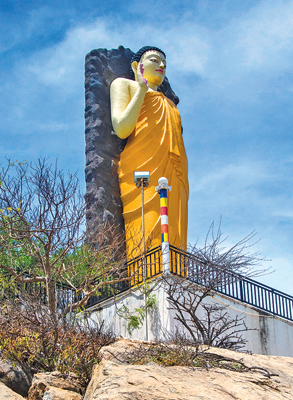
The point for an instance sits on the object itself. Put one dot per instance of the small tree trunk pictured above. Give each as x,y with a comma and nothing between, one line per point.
50,286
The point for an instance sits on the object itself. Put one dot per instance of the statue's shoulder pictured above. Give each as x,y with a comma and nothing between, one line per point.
123,83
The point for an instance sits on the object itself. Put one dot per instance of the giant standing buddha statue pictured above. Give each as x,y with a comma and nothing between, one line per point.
152,125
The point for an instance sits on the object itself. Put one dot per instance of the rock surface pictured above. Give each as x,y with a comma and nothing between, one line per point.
56,384
15,377
114,381
60,394
8,394
115,351
103,147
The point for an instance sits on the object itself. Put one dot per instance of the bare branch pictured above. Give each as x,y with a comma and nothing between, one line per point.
20,279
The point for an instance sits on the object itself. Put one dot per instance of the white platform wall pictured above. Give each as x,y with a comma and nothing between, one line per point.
271,335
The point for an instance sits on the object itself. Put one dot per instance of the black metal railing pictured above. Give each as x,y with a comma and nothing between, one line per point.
183,264
233,285
64,293
107,291
151,263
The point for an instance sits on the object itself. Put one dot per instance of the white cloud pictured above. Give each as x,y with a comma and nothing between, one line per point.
236,175
243,194
266,36
258,42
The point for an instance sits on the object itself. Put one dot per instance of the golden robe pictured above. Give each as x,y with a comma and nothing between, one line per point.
156,145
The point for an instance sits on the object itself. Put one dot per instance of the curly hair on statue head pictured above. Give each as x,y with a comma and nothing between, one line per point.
137,56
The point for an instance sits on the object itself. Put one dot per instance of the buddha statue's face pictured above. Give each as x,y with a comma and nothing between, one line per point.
154,65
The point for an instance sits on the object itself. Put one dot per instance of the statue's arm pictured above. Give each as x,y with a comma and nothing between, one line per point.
124,109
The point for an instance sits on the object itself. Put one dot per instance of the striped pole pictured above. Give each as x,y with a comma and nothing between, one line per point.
164,216
163,190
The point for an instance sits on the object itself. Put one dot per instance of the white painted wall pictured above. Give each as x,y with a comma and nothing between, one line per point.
270,335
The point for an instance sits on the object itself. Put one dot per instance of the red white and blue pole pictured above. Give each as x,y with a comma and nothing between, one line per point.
163,190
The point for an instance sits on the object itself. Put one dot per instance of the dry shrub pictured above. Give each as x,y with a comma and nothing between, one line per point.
181,351
164,354
30,335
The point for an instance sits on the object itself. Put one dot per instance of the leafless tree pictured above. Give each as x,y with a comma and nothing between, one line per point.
237,259
42,234
209,324
203,272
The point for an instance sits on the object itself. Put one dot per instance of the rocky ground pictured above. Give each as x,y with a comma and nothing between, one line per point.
245,377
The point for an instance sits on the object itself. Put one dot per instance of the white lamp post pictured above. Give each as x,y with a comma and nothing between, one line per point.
142,179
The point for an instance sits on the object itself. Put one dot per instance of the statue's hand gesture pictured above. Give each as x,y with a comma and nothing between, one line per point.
140,78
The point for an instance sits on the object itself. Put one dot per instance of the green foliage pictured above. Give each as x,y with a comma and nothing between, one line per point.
136,318
8,287
151,301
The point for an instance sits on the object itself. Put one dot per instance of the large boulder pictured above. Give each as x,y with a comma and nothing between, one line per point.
268,377
15,376
44,382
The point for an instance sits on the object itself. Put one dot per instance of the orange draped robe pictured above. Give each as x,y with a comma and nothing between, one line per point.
155,145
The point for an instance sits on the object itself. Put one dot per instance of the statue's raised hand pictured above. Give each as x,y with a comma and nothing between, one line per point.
140,78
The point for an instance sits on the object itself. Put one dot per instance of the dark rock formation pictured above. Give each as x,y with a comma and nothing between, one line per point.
8,394
103,147
18,378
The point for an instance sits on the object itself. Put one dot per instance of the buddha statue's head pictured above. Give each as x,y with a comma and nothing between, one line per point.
153,61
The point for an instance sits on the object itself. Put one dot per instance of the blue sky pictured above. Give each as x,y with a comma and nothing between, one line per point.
230,63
